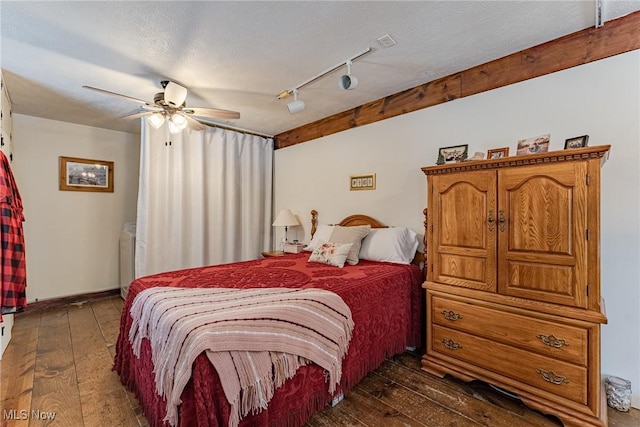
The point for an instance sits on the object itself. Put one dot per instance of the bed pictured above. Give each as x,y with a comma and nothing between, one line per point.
385,299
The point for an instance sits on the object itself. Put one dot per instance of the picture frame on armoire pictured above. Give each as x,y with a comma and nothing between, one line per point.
455,153
538,144
576,142
498,153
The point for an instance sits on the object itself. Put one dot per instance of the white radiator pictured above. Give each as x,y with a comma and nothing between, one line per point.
5,332
127,257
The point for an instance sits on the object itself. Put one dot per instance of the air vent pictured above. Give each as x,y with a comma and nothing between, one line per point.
386,41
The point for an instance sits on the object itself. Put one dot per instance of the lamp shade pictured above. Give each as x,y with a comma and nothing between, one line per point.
285,218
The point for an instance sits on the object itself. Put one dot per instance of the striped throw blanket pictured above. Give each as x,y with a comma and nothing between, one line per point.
255,338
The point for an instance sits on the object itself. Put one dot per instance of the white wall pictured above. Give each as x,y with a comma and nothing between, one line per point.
601,99
72,237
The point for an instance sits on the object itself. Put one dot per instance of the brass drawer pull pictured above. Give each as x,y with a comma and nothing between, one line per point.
552,377
451,344
451,315
552,341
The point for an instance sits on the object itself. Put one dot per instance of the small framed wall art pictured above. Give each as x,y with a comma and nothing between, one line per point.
455,153
85,175
498,153
576,142
362,182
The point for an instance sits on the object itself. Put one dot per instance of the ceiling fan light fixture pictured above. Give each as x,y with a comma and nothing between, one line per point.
296,105
177,123
173,128
156,120
179,120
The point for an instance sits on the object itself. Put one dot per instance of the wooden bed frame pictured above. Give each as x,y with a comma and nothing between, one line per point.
361,219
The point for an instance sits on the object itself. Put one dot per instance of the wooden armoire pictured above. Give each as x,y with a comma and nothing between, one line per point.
513,278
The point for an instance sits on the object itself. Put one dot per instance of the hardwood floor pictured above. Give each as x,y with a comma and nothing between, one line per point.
57,372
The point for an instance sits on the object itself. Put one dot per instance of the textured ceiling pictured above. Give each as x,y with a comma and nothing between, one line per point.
240,55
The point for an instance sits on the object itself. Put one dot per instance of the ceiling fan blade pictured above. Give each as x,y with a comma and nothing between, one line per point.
213,113
193,123
152,108
137,115
175,94
117,94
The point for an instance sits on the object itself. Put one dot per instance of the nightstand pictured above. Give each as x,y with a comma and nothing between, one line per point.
269,254
293,248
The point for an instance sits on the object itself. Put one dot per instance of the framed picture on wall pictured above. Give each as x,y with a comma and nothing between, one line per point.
85,175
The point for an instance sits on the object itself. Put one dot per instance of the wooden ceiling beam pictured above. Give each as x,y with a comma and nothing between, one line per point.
592,44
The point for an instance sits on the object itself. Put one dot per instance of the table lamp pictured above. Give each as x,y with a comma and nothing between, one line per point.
285,219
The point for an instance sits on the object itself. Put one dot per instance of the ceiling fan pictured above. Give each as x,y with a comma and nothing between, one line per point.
170,106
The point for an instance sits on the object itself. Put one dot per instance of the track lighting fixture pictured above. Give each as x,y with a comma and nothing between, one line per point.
348,81
296,105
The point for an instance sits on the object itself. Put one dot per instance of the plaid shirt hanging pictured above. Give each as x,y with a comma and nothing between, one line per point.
12,265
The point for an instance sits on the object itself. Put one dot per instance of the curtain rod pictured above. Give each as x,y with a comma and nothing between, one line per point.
236,129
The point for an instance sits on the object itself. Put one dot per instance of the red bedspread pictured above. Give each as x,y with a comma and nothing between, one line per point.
385,301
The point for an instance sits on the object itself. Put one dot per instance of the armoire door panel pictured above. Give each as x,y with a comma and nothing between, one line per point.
462,233
454,268
543,240
551,283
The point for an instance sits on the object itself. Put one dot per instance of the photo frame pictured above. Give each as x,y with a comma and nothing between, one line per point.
77,174
455,153
576,142
362,182
498,153
538,144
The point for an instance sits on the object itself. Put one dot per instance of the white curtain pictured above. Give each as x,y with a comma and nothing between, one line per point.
204,198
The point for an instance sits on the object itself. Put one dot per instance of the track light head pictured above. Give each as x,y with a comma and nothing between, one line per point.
348,81
296,105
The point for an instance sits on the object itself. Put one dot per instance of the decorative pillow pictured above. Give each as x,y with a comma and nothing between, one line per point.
394,244
323,232
331,253
353,235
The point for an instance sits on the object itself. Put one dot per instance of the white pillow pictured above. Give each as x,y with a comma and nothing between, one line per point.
331,253
394,244
352,235
323,232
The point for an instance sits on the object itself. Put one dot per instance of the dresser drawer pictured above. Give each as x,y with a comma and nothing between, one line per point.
547,337
545,373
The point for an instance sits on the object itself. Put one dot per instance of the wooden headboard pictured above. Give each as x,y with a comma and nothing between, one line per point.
350,221
360,219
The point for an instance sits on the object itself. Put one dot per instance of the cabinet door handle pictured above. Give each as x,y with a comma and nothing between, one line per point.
491,220
451,344
451,315
552,377
501,220
552,340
